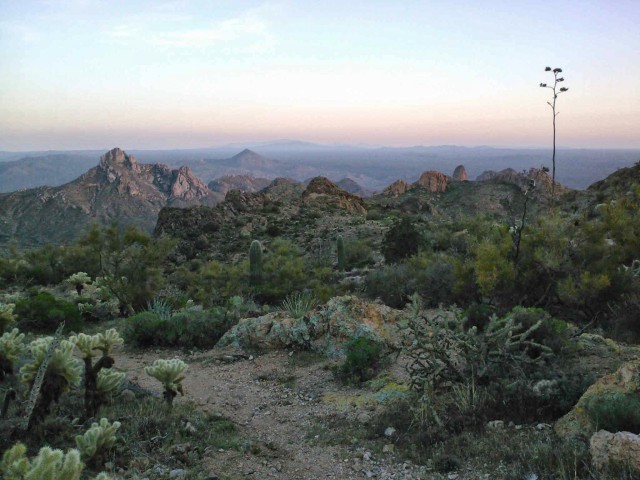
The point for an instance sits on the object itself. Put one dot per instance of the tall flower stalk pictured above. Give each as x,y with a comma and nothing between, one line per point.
557,90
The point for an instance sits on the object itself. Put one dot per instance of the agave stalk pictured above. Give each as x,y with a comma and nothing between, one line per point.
556,91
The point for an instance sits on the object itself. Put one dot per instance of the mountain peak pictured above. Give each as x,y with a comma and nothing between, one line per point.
116,157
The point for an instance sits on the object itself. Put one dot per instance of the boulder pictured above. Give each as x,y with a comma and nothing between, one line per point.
460,174
396,188
577,424
617,450
433,181
326,329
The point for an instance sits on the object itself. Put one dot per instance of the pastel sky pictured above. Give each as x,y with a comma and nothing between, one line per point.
157,74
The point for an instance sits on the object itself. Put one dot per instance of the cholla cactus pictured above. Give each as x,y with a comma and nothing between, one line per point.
62,362
109,339
62,371
79,281
108,382
88,346
170,373
11,346
6,316
50,464
97,440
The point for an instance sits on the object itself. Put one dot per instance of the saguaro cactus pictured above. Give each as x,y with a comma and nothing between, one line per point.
342,259
255,262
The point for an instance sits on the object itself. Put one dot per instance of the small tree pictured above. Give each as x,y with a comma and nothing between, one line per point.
401,241
556,91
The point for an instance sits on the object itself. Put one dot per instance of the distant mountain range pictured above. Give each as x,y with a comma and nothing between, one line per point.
123,190
373,168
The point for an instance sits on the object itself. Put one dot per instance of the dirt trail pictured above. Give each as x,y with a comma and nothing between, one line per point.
274,399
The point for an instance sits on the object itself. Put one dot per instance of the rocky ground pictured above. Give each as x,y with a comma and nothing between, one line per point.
284,403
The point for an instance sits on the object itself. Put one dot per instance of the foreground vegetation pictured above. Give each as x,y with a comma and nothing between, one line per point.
492,309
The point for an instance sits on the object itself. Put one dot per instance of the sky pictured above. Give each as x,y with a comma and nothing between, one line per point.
79,74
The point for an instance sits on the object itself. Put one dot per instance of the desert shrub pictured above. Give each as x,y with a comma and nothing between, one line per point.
443,351
183,329
550,331
201,329
363,360
615,411
143,329
129,262
390,284
42,312
493,268
358,254
401,241
478,315
433,278
299,304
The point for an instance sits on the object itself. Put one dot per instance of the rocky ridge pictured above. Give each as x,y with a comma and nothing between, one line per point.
118,189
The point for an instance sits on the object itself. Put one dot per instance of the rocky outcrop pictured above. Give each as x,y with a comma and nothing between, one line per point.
118,189
244,183
619,450
508,175
397,188
460,174
323,192
578,422
433,181
351,186
326,330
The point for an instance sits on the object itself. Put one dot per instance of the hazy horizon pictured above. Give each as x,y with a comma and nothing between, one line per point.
174,74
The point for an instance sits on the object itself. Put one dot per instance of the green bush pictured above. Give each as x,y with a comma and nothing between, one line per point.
390,284
615,411
196,329
42,312
144,330
363,361
401,241
358,254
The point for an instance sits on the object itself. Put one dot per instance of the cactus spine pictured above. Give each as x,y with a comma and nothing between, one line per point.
255,263
342,259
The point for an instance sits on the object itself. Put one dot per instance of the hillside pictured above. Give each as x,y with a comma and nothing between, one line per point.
118,189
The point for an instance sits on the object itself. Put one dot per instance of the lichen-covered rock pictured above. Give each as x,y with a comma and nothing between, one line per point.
577,424
326,329
621,449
